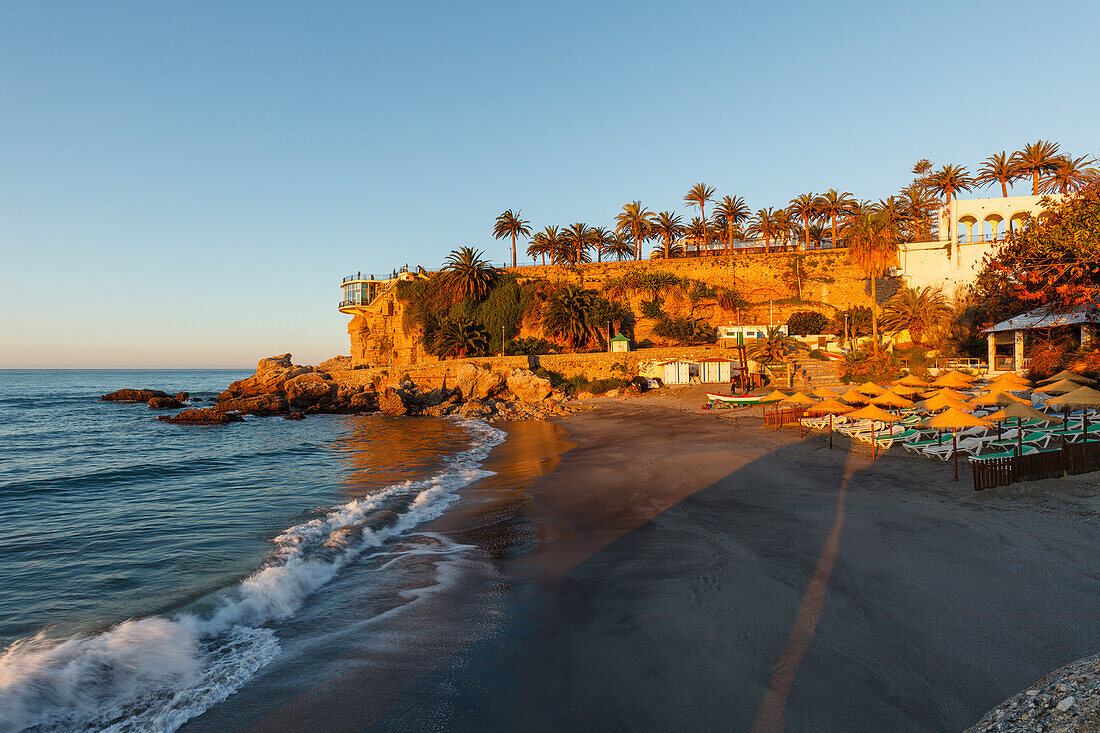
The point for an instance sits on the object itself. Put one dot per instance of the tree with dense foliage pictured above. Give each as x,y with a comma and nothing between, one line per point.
949,181
601,240
919,310
698,232
669,227
920,206
766,224
699,195
510,224
636,220
1035,161
620,247
467,274
733,212
805,207
834,205
998,169
577,241
872,245
803,323
1053,260
569,314
460,338
539,245
1071,175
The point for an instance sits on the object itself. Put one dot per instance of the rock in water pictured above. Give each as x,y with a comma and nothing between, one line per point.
310,390
202,416
260,405
390,401
165,403
529,387
133,395
183,396
271,374
296,415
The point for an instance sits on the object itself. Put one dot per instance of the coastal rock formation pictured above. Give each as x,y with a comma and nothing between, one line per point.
478,384
133,395
528,387
335,364
184,396
297,415
313,389
202,416
271,374
165,403
261,405
392,402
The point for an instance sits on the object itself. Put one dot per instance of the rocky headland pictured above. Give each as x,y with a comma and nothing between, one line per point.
281,387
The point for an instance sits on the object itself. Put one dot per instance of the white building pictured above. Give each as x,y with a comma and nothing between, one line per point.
969,230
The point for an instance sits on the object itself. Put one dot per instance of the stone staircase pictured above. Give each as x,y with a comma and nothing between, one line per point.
823,374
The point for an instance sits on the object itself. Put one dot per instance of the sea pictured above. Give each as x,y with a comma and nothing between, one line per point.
150,571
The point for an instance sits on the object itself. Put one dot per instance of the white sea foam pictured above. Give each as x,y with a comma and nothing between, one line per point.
156,673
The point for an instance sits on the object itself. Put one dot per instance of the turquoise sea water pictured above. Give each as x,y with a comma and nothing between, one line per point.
146,567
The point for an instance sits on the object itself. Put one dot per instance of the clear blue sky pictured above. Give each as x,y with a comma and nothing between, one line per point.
184,184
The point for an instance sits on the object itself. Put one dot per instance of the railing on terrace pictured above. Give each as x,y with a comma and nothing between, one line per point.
949,362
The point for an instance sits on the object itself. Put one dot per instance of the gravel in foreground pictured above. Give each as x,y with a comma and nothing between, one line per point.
1066,700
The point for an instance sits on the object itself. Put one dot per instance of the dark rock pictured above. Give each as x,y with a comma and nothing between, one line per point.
133,395
297,415
260,405
165,403
314,389
202,416
183,396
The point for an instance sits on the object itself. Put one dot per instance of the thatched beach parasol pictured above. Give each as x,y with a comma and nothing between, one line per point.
852,397
955,419
953,378
798,398
870,388
911,380
773,396
941,402
825,393
830,407
906,390
1010,378
1069,376
953,394
891,399
1062,386
1021,411
874,414
1084,398
996,398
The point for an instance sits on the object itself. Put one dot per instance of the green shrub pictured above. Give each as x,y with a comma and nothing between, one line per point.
528,346
818,354
599,386
652,309
802,323
685,331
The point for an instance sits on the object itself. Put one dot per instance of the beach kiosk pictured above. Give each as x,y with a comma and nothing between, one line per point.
618,344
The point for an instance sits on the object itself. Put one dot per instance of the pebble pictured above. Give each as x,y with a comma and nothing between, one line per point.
1046,706
1065,705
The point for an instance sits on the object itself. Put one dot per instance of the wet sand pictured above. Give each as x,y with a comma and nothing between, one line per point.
680,572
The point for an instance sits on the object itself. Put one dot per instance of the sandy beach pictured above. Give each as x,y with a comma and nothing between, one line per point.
674,571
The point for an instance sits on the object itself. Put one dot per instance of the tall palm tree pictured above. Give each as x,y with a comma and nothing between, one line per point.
539,246
950,180
510,224
600,239
787,228
698,232
805,206
919,206
917,309
765,225
467,274
873,245
1072,174
637,220
834,205
699,195
894,209
733,211
669,228
578,240
998,168
620,247
774,347
1036,160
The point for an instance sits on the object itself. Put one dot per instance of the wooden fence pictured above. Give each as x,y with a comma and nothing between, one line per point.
779,417
1071,459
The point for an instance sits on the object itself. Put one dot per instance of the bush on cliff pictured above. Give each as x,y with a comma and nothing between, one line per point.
802,323
685,331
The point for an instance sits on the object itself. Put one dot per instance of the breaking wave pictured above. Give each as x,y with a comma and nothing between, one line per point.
158,672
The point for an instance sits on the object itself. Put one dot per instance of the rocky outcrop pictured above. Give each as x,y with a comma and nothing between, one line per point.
133,395
409,401
311,390
335,364
528,387
202,416
165,403
478,384
271,374
184,396
392,402
297,415
260,405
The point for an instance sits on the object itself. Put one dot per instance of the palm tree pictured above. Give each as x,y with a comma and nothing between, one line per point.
578,240
540,245
1036,160
698,232
765,225
568,315
919,206
669,228
787,229
511,225
699,195
894,209
805,206
1071,175
834,205
637,220
774,347
621,248
733,211
950,180
872,244
601,240
468,275
917,309
461,337
998,168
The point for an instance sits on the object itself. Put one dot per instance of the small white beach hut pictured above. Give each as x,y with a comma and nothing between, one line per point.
678,371
715,370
